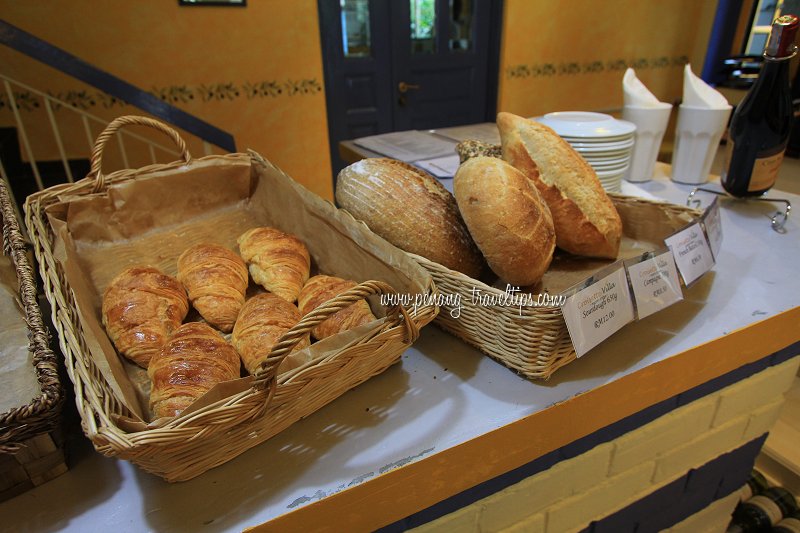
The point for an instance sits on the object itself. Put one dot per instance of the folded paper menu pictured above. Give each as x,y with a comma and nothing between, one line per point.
697,93
408,146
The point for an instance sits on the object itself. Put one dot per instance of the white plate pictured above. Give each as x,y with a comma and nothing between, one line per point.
602,148
609,168
598,140
607,160
611,145
583,124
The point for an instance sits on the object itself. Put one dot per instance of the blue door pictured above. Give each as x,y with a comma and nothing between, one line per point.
394,65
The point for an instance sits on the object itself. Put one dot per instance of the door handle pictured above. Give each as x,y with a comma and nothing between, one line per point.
404,87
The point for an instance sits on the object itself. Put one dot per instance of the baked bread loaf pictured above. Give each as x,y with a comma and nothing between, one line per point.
264,318
470,148
509,221
585,219
410,209
194,359
278,261
141,308
216,280
319,290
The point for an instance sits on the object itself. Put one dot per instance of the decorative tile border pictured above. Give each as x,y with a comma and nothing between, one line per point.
173,94
592,67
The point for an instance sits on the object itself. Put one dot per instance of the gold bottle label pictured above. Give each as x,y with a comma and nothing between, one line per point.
765,172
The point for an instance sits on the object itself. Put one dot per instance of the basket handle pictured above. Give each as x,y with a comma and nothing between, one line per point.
397,314
111,129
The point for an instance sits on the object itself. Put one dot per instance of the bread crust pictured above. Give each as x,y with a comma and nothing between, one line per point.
278,261
586,221
141,308
507,217
263,320
318,290
216,280
194,359
410,209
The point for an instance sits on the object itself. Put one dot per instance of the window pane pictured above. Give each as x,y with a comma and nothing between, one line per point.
460,25
766,13
423,26
757,42
355,28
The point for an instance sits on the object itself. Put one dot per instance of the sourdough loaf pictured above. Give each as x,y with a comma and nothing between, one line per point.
410,209
507,217
585,219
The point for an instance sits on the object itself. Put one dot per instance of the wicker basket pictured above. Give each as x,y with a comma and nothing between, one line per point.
534,341
215,433
30,437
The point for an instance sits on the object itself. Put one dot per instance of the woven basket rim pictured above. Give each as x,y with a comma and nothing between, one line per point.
42,413
99,425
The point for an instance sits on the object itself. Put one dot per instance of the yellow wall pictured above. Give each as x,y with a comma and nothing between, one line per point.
255,72
559,56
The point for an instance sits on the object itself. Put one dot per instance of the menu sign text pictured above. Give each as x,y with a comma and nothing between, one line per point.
596,312
655,283
691,251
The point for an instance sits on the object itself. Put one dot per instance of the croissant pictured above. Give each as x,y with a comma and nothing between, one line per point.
262,321
278,261
141,308
319,290
194,359
216,279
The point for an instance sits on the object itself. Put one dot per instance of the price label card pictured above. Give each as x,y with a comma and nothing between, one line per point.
596,312
655,283
692,254
713,225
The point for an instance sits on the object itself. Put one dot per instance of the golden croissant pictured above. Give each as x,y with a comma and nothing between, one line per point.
262,321
141,308
216,280
194,359
319,290
278,261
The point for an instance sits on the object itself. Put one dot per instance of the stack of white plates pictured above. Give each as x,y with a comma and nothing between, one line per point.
604,142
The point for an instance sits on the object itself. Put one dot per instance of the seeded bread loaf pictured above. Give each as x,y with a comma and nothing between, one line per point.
585,219
507,217
410,209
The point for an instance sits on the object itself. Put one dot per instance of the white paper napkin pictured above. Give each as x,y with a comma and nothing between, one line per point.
635,93
697,93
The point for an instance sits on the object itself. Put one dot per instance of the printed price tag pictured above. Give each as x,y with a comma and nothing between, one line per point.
595,313
655,283
691,252
713,225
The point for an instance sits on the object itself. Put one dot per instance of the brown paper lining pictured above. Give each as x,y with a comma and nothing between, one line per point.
152,219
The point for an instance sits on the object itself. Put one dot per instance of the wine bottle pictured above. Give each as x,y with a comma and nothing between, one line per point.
756,484
790,524
760,513
761,125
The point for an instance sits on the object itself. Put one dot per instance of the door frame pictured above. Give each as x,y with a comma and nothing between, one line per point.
331,42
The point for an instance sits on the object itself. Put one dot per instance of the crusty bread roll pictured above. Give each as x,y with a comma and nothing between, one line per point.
319,290
585,219
263,320
216,280
278,261
509,221
142,306
410,209
194,359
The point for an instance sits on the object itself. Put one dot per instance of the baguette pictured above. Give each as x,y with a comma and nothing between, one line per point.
509,221
585,220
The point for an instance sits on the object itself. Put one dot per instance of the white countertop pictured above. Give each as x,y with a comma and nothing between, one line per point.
444,393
